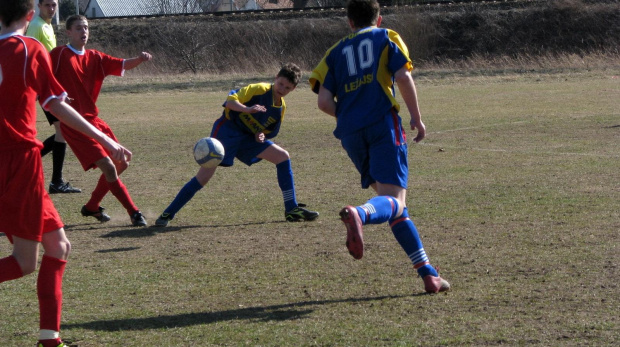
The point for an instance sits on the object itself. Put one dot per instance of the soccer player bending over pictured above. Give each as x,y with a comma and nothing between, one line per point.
358,72
252,115
27,214
81,72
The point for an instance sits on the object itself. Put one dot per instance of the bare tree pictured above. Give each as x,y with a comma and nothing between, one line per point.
183,44
174,6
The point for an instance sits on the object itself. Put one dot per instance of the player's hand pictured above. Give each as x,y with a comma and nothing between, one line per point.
145,56
257,108
420,127
120,153
260,137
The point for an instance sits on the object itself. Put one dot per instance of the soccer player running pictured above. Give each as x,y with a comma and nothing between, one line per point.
41,29
252,115
27,214
81,72
358,72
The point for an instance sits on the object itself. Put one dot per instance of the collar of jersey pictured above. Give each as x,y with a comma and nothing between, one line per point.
367,28
14,33
75,50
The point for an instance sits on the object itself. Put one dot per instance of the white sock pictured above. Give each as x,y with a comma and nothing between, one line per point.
48,334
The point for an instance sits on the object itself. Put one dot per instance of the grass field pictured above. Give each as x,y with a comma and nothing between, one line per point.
515,191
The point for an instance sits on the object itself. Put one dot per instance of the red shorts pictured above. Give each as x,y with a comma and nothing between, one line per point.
87,150
26,210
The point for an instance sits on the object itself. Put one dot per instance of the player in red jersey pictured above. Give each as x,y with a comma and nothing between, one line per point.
41,29
28,216
81,72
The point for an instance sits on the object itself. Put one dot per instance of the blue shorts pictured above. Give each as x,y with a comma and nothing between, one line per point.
237,144
379,152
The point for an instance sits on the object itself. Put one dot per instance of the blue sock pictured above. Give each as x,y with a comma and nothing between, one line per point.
407,236
287,184
183,196
377,210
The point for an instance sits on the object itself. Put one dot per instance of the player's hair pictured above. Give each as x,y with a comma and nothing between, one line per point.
363,13
291,72
73,19
41,1
14,10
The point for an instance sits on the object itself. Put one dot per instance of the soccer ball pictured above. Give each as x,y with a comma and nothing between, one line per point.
208,152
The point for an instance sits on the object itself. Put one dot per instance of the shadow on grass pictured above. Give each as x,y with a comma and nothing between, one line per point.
114,250
268,313
137,232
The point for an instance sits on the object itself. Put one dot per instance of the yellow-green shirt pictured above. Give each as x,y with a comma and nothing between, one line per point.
43,32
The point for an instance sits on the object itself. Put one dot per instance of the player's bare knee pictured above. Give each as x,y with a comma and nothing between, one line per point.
108,169
121,166
64,249
283,156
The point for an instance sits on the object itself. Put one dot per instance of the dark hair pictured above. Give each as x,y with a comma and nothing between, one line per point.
291,72
363,13
73,19
14,10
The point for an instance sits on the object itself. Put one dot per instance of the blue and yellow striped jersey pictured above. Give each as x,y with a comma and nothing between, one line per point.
359,71
256,94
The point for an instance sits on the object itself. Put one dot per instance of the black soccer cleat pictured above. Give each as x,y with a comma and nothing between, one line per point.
137,219
299,213
99,215
163,220
63,188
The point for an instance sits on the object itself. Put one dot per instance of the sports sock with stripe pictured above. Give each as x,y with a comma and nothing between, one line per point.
406,234
377,210
287,184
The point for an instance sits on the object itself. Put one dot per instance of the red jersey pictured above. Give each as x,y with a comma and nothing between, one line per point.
25,72
82,73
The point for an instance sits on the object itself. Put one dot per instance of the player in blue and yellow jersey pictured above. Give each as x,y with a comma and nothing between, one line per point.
252,115
355,84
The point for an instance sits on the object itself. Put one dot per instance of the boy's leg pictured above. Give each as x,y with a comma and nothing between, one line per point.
118,189
9,269
49,292
293,211
101,189
287,184
49,286
58,147
110,181
183,197
48,145
377,210
407,235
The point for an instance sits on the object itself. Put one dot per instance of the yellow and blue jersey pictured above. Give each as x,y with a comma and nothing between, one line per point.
358,70
256,94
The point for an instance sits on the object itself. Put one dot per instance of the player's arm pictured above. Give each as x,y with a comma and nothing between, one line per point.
134,62
326,101
235,105
70,117
407,89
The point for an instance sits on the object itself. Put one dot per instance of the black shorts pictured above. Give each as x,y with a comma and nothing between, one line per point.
50,117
